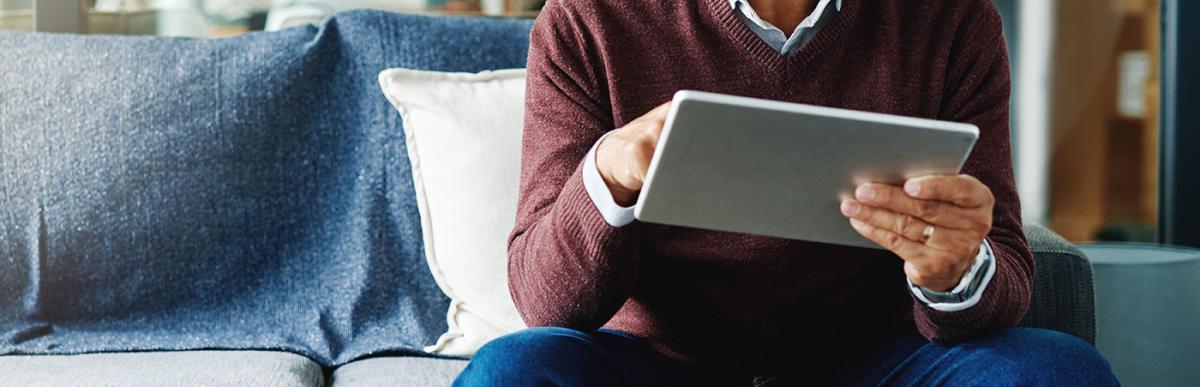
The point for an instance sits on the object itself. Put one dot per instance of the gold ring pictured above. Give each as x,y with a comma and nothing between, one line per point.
928,233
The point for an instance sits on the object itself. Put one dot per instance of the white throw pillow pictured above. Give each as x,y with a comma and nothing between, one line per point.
464,142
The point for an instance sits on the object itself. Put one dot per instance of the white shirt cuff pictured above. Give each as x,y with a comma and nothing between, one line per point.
613,213
985,254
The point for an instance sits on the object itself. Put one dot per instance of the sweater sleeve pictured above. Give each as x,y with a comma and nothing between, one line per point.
567,266
977,92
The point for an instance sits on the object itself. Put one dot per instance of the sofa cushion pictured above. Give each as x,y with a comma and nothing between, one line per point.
250,192
166,369
397,371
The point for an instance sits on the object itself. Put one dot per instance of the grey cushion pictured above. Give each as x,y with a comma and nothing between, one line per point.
398,371
1063,298
166,369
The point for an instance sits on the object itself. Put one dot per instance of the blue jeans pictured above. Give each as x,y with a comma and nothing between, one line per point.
565,357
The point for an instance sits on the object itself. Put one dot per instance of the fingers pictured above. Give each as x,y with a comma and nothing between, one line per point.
924,266
624,156
962,190
661,111
658,114
640,153
659,117
954,241
904,247
904,224
649,126
942,214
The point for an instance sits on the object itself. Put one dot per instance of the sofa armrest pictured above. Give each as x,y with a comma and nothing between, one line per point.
1063,298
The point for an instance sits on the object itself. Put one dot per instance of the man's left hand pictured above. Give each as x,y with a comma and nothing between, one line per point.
936,224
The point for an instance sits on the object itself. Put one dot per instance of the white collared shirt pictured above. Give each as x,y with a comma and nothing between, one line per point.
774,36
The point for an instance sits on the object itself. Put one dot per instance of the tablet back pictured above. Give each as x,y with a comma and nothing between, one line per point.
779,169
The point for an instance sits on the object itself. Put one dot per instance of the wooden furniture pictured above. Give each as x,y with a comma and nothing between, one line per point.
1104,164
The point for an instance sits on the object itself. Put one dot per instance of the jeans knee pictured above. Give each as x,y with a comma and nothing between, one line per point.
1037,356
533,342
524,358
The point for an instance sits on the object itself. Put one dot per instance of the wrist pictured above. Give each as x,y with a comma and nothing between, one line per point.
961,269
943,286
971,283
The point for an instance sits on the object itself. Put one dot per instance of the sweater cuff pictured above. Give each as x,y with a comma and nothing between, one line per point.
577,211
950,327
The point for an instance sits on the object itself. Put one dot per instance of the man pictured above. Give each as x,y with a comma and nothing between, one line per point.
619,302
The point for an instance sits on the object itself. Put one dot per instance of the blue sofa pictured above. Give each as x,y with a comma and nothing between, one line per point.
240,211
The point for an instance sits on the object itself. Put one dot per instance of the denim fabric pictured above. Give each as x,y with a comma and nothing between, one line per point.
249,192
567,357
1013,357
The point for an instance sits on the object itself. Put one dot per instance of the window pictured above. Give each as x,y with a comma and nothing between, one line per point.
1086,115
1180,217
16,15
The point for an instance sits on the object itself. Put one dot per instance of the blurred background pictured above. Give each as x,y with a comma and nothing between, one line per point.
1085,115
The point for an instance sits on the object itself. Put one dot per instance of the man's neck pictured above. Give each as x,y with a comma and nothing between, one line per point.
785,14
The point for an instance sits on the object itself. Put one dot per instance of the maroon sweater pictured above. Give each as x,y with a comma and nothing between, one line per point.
734,301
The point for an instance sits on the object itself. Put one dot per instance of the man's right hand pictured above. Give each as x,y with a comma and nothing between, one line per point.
623,158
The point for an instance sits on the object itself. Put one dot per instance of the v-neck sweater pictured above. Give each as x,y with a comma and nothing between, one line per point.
739,302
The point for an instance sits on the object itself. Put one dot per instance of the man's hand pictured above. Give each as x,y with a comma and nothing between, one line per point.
958,208
623,158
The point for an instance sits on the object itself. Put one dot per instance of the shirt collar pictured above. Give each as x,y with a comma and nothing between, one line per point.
820,6
816,15
774,36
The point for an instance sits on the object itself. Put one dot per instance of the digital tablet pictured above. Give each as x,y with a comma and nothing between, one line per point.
779,169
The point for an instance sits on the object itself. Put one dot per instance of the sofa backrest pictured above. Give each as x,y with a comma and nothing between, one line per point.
249,192
1063,297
